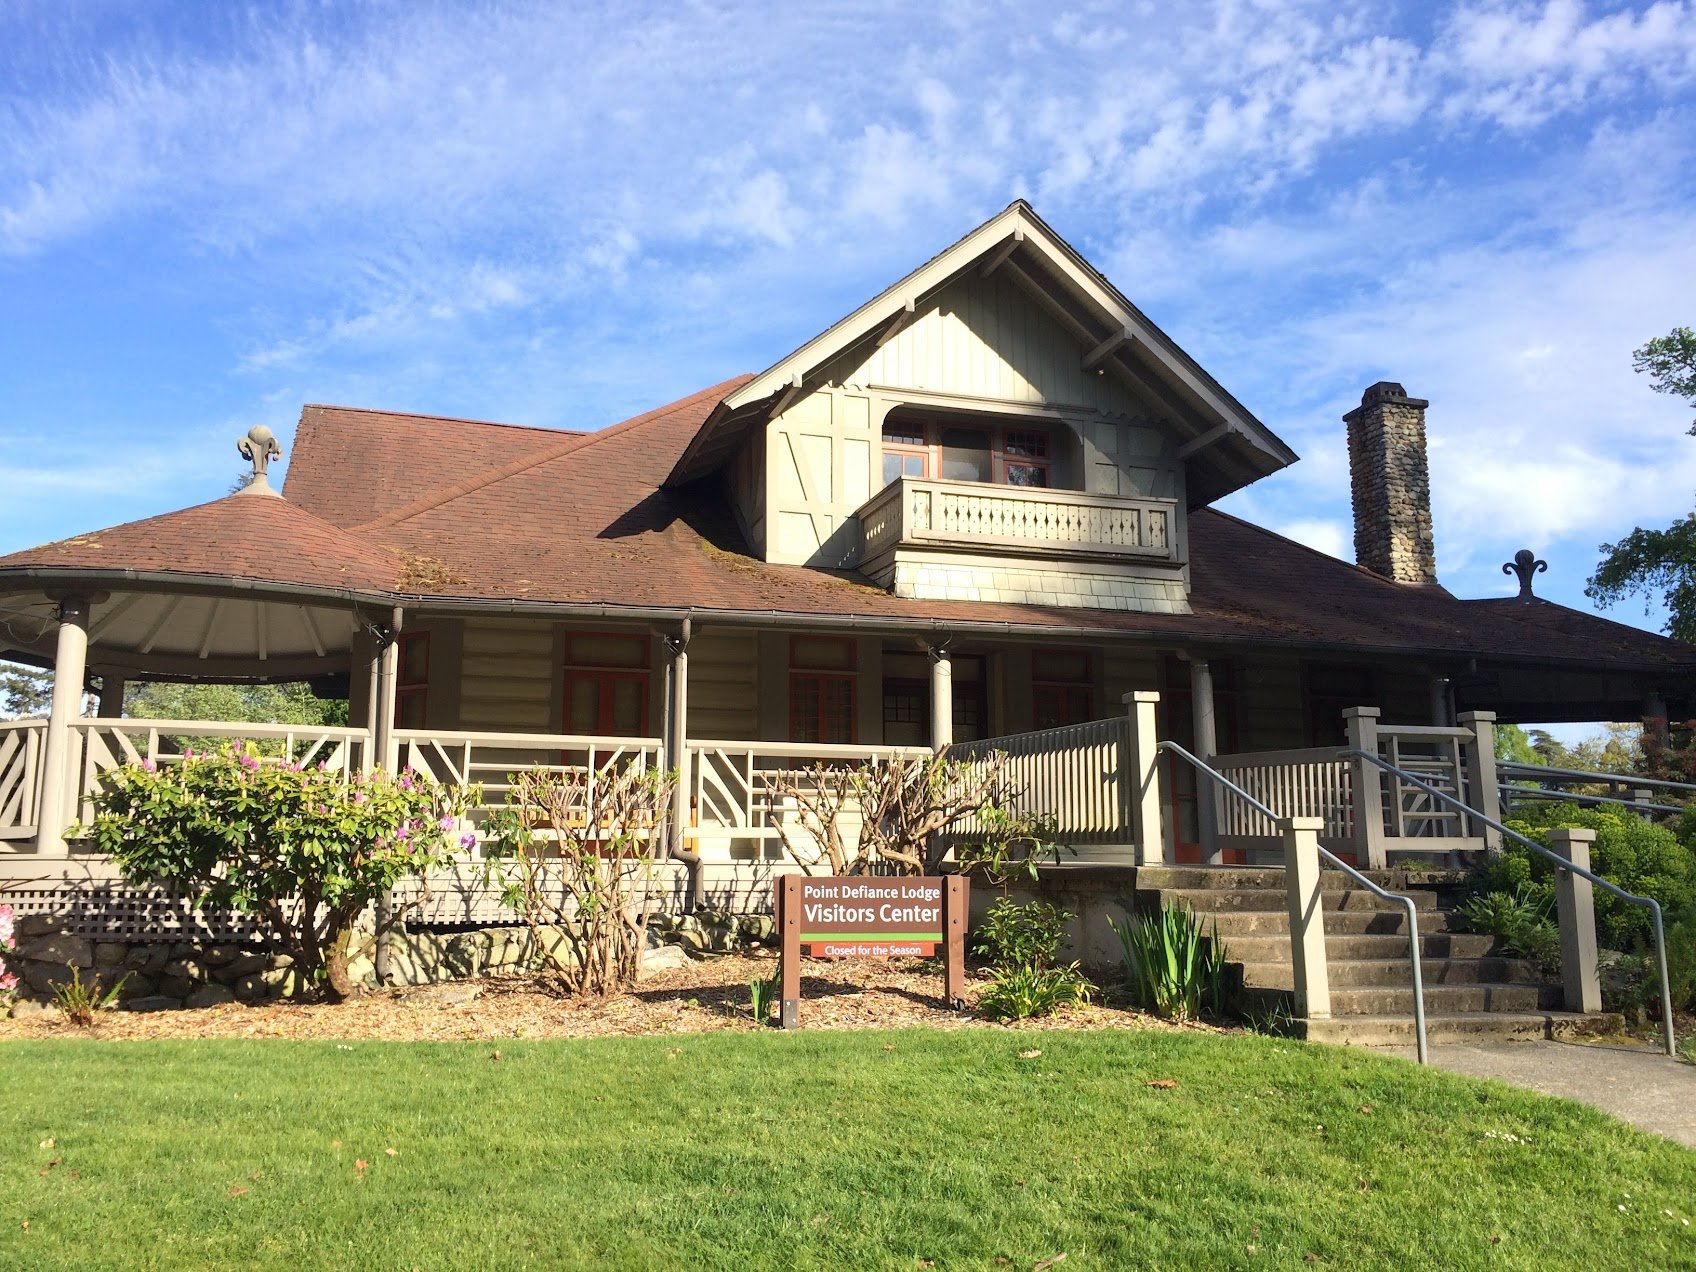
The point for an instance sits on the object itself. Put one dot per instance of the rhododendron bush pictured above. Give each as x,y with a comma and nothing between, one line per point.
305,849
8,978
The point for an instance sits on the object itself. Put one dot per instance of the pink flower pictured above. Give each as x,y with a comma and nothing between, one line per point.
148,766
468,840
250,763
446,823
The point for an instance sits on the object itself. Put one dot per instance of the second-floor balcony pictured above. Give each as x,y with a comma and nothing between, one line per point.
977,517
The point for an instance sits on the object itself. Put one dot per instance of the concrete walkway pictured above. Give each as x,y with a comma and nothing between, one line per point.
1635,1084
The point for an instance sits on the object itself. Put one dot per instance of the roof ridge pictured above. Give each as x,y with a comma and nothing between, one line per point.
1323,556
523,464
444,419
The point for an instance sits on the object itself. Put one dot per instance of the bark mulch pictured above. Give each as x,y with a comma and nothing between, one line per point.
700,997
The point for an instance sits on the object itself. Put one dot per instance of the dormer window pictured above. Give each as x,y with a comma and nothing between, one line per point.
939,447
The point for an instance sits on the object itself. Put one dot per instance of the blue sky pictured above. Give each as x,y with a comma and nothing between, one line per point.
211,213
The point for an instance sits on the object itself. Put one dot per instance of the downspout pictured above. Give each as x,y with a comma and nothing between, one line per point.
677,758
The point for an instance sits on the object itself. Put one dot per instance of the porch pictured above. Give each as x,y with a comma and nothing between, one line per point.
1104,787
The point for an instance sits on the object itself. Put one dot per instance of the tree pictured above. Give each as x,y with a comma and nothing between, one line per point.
1514,745
1658,562
24,691
291,703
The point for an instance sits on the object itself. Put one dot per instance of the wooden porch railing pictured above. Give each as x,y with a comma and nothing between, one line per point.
460,758
1310,782
1079,776
733,786
20,778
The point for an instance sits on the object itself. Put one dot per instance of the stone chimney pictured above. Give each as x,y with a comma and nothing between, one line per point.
1391,485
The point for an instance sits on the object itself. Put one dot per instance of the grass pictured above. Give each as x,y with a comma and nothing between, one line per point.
901,1149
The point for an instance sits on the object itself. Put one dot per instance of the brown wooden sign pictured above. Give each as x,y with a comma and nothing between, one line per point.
870,916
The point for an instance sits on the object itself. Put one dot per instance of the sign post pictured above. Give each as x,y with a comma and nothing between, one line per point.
870,916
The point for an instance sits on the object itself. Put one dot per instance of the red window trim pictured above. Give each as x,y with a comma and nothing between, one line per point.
822,675
999,460
603,675
1086,683
417,688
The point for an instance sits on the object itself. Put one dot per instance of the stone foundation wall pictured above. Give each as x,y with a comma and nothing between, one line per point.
161,975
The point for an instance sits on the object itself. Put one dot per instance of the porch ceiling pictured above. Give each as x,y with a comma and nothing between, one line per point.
183,634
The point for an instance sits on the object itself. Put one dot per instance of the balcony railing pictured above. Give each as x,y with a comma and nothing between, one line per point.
978,517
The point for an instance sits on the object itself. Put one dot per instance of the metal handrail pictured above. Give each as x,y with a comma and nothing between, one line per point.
1405,901
1555,796
1585,775
1560,863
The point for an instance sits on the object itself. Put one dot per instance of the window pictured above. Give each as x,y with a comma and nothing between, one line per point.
412,679
1024,458
1062,688
935,447
906,451
907,697
821,689
606,684
1331,690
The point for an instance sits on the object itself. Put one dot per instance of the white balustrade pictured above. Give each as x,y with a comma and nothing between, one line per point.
1080,776
1309,782
976,515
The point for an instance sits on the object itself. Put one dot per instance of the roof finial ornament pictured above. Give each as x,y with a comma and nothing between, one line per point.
1526,565
259,448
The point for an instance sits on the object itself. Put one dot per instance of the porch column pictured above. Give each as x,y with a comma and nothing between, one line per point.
677,738
1207,792
1442,702
387,673
70,664
1368,788
941,699
111,697
1655,716
1141,784
1577,908
1483,786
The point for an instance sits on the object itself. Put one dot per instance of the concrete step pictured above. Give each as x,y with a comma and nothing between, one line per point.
1398,972
1205,877
1487,1026
1235,923
1206,901
1440,999
1274,947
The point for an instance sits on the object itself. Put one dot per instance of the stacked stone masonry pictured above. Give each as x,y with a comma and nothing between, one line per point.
1390,484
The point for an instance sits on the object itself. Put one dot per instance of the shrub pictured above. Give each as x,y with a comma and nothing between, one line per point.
82,1001
1012,848
1638,855
303,848
1521,918
1014,936
574,854
8,978
1022,992
1173,967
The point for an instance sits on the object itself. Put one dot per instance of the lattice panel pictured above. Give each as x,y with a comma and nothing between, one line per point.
116,912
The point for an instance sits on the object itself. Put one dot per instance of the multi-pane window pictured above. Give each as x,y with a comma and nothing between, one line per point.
607,679
1331,690
1062,688
412,679
1024,458
906,451
935,447
821,689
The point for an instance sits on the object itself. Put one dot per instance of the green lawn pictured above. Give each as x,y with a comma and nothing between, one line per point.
828,1150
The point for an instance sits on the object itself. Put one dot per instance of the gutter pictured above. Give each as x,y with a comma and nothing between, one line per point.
792,620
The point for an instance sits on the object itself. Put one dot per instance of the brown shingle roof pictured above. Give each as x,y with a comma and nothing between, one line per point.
583,520
348,463
250,536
